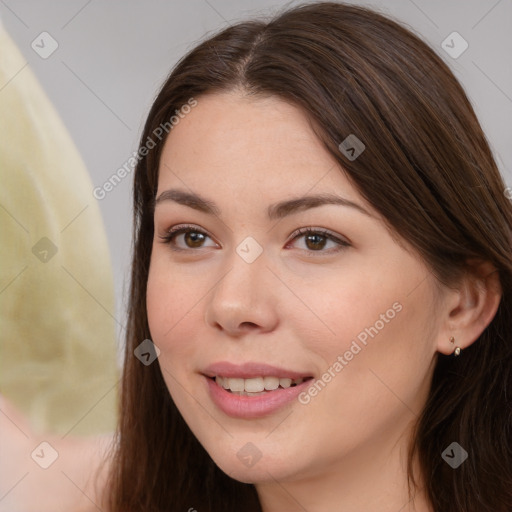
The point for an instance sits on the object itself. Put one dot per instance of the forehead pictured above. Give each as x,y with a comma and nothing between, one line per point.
232,141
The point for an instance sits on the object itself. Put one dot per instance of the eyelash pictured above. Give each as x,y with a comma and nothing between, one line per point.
173,232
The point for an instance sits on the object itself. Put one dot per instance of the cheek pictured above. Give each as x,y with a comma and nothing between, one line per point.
376,390
173,302
387,356
382,331
346,308
170,309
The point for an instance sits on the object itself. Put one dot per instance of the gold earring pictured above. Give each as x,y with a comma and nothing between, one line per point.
457,349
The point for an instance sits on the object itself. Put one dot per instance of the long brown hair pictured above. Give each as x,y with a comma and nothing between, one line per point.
427,168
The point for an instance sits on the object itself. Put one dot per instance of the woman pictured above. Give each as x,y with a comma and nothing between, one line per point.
322,261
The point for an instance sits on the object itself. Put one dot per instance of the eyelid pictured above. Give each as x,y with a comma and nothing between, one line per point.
324,231
341,242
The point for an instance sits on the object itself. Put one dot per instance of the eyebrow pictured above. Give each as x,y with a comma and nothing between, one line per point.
274,211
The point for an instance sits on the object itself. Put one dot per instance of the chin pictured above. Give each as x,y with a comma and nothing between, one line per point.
250,466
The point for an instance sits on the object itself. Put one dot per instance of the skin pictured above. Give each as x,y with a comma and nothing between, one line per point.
297,306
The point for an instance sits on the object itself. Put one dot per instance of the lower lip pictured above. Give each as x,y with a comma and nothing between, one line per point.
249,407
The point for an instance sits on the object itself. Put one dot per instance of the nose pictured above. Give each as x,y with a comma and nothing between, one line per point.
244,298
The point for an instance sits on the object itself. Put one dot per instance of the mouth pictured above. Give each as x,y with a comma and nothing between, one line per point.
256,386
253,390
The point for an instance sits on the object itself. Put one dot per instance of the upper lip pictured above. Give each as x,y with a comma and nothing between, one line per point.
250,370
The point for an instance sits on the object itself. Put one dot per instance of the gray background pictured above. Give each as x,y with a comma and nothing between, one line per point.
113,56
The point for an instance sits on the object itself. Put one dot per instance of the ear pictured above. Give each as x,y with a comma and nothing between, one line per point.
470,307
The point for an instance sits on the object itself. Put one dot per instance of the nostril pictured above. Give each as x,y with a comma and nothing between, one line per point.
248,325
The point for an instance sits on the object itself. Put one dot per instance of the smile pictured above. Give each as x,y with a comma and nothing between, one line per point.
252,390
256,386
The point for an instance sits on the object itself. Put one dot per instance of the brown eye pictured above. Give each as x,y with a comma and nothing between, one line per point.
193,238
317,239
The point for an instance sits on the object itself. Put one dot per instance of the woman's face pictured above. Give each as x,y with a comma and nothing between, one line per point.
256,294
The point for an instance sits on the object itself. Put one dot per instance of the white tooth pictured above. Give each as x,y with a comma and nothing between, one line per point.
271,383
285,383
298,381
225,383
236,384
254,385
219,381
